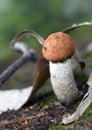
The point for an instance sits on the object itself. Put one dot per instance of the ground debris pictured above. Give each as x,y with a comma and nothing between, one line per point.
38,117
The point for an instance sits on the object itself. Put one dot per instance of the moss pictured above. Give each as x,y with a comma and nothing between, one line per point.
65,127
56,127
52,98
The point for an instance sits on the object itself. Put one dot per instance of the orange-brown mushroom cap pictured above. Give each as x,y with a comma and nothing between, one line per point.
58,46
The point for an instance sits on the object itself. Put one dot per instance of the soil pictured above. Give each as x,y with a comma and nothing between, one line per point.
37,117
48,116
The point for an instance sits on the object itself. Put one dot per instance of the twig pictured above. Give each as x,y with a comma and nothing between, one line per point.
4,123
74,26
28,55
15,128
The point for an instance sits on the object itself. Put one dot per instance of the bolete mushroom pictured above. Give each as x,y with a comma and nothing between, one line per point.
58,49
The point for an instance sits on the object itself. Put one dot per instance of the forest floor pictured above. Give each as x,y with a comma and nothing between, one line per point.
44,116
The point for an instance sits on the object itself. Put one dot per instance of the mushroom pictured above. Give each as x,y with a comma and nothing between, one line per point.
63,64
59,52
58,49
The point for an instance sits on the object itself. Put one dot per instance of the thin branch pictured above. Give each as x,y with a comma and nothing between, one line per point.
28,55
74,26
4,123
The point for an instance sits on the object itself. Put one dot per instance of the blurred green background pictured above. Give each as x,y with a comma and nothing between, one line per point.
44,17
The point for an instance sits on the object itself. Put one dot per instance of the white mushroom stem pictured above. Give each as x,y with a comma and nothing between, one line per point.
63,82
86,101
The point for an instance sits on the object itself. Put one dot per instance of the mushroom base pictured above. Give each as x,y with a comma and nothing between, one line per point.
63,82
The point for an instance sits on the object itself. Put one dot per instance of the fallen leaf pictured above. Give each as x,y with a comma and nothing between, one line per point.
14,99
